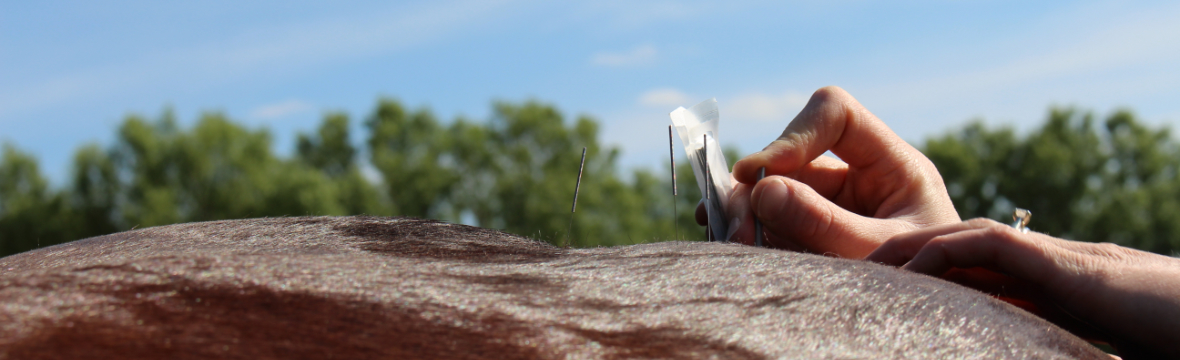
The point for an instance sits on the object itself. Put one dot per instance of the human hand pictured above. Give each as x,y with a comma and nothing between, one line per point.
811,202
1103,291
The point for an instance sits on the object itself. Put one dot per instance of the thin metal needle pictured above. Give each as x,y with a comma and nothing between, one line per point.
579,184
708,188
758,224
574,208
672,162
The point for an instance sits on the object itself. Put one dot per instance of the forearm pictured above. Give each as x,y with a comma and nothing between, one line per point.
1137,302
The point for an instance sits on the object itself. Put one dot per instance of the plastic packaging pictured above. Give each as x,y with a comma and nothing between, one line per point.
698,130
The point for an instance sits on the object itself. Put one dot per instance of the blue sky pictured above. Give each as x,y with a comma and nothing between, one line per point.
70,71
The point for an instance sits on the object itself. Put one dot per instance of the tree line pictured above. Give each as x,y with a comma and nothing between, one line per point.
1115,181
515,171
1112,180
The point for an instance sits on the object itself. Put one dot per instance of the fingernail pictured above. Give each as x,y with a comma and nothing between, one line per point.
733,228
771,200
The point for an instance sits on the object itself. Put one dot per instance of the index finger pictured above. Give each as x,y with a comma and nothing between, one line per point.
900,249
832,120
974,243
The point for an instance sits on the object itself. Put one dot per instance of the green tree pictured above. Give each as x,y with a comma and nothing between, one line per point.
535,161
1114,183
412,153
30,214
94,193
516,172
157,174
331,152
1133,201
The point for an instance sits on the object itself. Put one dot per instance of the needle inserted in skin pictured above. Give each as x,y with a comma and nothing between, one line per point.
708,189
672,162
574,208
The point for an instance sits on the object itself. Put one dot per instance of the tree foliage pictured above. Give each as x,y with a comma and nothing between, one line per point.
516,171
25,198
1114,181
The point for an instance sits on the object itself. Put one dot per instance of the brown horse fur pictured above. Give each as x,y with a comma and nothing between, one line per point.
364,287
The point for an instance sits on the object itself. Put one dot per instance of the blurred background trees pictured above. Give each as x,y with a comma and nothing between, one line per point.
516,172
1114,180
1083,179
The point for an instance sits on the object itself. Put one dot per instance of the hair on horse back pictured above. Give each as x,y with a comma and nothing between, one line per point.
366,287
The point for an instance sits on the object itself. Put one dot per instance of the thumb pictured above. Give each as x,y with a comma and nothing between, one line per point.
793,211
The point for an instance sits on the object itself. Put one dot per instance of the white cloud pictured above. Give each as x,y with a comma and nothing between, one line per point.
750,106
626,15
1122,60
287,47
1133,40
640,55
280,110
763,107
665,97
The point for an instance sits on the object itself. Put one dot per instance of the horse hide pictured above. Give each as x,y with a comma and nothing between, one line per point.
367,287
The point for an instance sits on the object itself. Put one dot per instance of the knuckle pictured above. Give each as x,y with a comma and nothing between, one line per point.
1002,232
926,172
824,222
1111,251
896,238
939,242
807,229
1109,247
981,223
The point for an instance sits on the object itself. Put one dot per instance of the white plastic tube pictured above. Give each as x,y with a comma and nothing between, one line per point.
697,127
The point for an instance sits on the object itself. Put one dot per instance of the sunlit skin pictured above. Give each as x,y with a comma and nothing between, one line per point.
1122,295
883,187
883,201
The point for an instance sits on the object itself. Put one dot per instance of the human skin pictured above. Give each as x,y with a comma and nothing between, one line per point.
1126,296
884,201
404,288
883,186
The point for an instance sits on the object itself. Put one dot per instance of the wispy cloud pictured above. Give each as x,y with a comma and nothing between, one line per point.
764,107
1132,40
280,110
747,106
286,47
640,55
630,15
749,118
665,97
1068,59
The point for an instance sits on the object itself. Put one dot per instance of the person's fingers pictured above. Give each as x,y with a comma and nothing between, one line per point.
741,220
1093,290
903,247
795,212
831,120
824,174
777,242
1030,270
996,247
